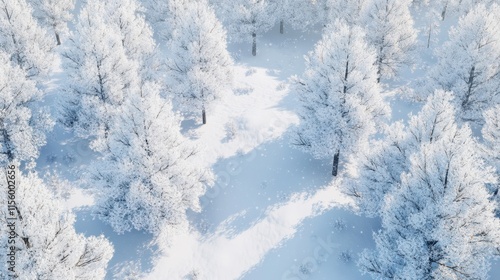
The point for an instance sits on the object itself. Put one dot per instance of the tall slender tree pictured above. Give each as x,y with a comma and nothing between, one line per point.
390,30
491,136
299,14
136,37
469,63
100,73
54,14
246,20
200,65
22,127
342,102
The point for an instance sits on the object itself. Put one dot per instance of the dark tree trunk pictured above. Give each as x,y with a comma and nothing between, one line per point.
429,36
335,168
204,116
470,84
346,74
281,27
58,39
443,13
379,69
254,44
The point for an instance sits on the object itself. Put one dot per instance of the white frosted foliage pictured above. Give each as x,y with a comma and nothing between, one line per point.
342,102
469,63
147,178
24,40
440,222
47,246
100,75
390,30
22,126
200,67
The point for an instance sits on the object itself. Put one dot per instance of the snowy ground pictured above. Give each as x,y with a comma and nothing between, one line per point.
274,212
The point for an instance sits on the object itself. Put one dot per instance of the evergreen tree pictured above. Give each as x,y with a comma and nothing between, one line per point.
22,127
491,136
348,10
24,40
469,63
136,36
54,14
439,223
390,30
44,239
342,102
100,73
245,20
375,172
200,66
146,180
300,14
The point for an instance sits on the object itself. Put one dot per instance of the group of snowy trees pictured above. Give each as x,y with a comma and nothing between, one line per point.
432,183
120,101
44,239
343,100
428,183
121,95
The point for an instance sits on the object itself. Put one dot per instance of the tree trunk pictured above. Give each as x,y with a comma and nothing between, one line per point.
204,116
281,26
379,68
443,13
335,168
346,75
58,39
429,36
254,44
470,84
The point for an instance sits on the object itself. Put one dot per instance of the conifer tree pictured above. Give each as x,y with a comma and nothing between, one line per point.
200,65
342,102
390,30
44,239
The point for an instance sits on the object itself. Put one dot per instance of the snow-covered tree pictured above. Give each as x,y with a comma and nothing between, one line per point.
54,14
300,14
155,11
376,171
389,27
22,127
136,36
100,73
439,223
469,63
342,102
23,39
44,240
162,15
245,20
491,136
348,10
200,65
458,8
147,179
